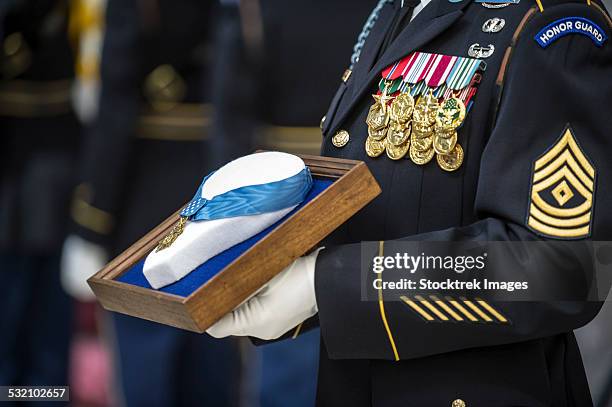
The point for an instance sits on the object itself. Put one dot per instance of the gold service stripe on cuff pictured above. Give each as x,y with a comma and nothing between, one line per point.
430,307
462,309
477,310
446,308
417,308
492,310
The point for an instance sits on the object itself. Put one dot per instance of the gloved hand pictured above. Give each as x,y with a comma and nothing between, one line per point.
287,300
80,260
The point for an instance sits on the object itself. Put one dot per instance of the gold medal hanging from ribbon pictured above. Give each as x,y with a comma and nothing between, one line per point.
378,121
426,128
423,122
174,233
449,117
400,128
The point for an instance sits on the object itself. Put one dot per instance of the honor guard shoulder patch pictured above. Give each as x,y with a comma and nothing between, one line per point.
562,191
570,25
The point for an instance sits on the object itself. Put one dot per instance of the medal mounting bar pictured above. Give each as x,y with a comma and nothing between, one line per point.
344,187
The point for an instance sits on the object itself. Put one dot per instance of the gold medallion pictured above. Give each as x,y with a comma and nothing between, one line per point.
444,145
402,107
446,134
398,134
450,114
398,152
378,134
425,110
451,162
341,138
421,132
421,157
421,143
174,233
373,147
378,115
377,118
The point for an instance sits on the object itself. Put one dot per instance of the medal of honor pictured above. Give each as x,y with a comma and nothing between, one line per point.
174,233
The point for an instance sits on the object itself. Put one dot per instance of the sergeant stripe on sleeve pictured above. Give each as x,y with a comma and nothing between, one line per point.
449,309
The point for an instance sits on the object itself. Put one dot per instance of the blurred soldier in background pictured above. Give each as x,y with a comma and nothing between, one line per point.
142,160
278,64
39,134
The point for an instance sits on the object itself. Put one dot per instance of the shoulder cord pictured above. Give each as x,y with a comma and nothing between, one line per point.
365,32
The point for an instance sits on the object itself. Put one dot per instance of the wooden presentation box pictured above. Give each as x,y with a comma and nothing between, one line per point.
350,186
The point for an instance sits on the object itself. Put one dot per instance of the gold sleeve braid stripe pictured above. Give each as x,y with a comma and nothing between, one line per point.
435,309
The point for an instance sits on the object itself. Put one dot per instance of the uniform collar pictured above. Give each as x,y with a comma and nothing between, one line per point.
432,21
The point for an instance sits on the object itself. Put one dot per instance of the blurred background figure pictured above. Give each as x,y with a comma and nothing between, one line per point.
142,159
39,136
277,66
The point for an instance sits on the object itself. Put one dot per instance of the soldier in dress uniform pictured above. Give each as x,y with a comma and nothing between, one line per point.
481,121
267,95
141,159
38,144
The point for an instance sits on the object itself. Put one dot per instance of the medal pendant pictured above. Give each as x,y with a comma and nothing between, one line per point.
379,134
397,152
398,134
451,162
420,130
374,148
378,117
446,134
425,110
174,233
444,145
421,143
401,108
421,157
450,114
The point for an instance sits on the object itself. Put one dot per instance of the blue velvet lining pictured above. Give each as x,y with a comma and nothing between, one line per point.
209,269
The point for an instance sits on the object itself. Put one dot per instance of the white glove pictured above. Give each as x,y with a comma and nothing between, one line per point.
286,301
80,260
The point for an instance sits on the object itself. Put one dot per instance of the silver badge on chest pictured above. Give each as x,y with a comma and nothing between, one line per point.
479,51
493,25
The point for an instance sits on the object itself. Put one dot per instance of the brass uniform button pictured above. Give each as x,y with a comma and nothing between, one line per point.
341,138
458,403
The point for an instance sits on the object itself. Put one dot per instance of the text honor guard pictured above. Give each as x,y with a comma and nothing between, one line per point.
481,121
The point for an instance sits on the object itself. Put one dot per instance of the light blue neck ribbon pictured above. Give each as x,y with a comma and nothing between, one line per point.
250,199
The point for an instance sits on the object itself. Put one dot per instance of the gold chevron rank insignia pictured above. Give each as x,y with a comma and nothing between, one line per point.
562,191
